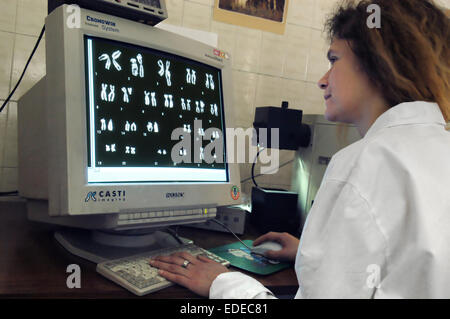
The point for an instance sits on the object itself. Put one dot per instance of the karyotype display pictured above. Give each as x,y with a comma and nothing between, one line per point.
130,127
165,71
151,95
105,96
126,94
199,107
111,148
162,152
137,66
185,104
114,57
168,100
191,76
210,82
104,127
142,96
182,152
130,150
187,128
214,110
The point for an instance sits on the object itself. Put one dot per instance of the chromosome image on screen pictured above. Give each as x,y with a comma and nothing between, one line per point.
136,98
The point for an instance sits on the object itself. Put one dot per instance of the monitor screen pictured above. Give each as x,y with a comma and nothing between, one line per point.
152,116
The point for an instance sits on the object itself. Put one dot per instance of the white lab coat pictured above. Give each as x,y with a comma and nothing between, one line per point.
380,223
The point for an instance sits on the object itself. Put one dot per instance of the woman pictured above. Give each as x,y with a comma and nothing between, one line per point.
380,222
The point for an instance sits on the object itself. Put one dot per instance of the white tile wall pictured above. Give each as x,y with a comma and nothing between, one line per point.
175,9
8,16
6,56
268,91
301,12
273,54
226,36
30,16
297,48
244,86
23,46
267,68
247,50
197,15
293,91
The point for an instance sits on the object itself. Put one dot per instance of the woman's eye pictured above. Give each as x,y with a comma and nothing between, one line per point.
333,59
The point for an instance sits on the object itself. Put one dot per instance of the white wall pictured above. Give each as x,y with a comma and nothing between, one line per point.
267,68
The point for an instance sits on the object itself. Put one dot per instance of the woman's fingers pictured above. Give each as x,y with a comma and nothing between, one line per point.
176,278
169,267
205,259
286,240
197,275
272,236
177,263
176,258
185,256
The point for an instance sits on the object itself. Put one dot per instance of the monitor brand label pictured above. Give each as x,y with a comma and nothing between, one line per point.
175,195
220,54
91,196
106,196
73,20
214,57
96,20
106,25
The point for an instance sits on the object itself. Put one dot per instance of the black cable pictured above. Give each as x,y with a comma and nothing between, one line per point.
174,234
281,166
253,167
24,70
227,228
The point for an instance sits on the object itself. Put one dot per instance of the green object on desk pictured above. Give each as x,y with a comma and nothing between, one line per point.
239,256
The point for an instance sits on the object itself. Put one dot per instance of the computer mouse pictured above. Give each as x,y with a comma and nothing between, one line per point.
265,246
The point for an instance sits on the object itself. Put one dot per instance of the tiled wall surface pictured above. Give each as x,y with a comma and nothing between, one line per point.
267,68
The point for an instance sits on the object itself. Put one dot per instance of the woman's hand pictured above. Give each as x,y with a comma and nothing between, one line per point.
197,275
289,243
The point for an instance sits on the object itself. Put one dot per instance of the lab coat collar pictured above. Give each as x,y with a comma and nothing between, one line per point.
418,112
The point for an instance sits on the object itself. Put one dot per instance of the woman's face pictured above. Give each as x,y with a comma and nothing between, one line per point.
347,89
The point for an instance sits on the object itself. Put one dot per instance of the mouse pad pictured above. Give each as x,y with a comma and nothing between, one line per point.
239,256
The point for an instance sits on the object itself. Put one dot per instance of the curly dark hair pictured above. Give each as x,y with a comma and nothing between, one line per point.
408,58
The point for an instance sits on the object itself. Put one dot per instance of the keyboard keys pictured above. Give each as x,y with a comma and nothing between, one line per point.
135,273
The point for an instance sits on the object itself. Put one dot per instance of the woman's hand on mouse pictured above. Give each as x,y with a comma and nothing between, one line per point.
289,243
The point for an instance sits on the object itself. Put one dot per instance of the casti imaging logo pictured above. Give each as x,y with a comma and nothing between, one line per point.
106,196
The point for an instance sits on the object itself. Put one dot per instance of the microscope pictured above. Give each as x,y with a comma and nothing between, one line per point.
314,140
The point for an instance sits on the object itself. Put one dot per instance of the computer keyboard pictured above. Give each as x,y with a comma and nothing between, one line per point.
136,275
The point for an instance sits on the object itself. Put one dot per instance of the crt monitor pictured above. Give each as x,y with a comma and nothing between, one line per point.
127,130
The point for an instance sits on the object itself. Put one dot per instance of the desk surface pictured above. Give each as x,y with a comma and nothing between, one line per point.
33,264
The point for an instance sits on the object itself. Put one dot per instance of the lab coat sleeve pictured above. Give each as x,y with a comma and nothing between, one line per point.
235,285
342,251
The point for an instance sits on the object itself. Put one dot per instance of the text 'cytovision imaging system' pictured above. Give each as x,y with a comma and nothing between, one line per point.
125,134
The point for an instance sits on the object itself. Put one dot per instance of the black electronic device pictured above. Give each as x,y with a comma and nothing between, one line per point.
292,133
150,12
275,210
